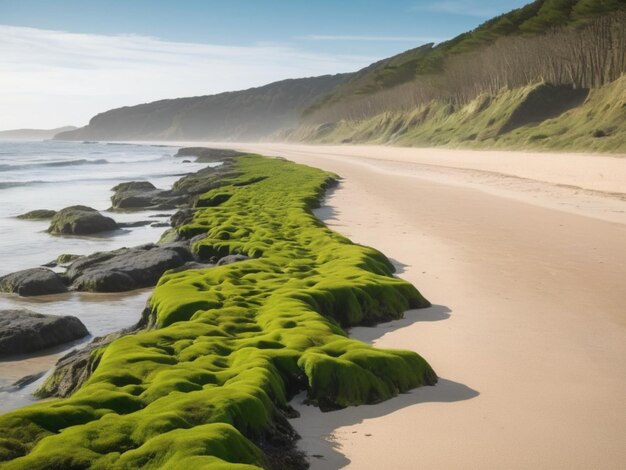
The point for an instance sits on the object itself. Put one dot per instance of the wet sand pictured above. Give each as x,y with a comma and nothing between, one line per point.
102,313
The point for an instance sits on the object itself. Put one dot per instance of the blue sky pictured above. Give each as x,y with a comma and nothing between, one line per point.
94,55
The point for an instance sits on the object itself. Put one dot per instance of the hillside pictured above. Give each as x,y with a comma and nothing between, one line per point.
539,117
241,115
33,134
549,75
422,64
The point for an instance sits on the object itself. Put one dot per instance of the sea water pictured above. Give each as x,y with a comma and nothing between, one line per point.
54,175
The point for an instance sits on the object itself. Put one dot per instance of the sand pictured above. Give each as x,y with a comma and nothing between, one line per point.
528,327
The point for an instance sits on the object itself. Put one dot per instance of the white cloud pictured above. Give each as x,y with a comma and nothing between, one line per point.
412,39
480,9
51,78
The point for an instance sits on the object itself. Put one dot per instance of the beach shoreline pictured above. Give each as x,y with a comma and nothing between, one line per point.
526,381
522,286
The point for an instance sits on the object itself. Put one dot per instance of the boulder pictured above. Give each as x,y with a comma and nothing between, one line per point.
80,220
144,195
182,217
36,281
204,180
126,268
138,223
38,214
23,331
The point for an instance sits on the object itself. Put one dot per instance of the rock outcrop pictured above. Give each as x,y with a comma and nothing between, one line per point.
35,281
38,214
207,155
80,220
126,268
23,331
144,195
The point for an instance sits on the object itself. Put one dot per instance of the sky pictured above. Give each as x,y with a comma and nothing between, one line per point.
63,61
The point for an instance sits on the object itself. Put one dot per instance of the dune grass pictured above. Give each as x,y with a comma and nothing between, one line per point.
207,384
597,125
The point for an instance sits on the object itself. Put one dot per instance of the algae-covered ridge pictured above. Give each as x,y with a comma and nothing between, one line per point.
207,384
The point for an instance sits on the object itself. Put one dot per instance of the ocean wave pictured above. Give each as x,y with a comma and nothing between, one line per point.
100,161
62,163
15,184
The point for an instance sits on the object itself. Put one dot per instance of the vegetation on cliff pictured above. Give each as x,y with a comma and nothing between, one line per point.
547,76
207,384
539,116
580,43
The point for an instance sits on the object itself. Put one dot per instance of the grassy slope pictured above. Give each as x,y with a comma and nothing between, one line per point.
599,124
204,388
532,19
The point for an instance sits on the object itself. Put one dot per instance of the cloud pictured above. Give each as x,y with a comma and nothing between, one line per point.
480,9
412,39
50,78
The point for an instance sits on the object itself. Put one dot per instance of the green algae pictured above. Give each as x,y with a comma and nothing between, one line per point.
208,384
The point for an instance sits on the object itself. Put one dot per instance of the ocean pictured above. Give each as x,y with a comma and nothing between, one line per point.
54,175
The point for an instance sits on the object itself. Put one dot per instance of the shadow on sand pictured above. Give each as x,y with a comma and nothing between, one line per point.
317,428
371,334
327,212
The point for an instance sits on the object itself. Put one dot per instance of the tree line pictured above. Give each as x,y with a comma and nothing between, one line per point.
585,57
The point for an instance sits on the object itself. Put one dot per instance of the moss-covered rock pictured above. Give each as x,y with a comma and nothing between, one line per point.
67,258
80,220
208,384
207,155
38,214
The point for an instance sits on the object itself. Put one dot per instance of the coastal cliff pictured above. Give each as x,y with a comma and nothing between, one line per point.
239,115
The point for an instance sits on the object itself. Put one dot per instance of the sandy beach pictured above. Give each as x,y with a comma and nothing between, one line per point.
528,327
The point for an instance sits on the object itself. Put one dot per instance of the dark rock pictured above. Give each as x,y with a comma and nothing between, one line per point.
36,281
186,161
139,223
66,258
192,265
207,155
169,236
38,214
231,259
23,331
203,180
182,217
134,186
27,380
80,220
51,264
126,268
160,215
143,195
73,369
23,382
160,224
